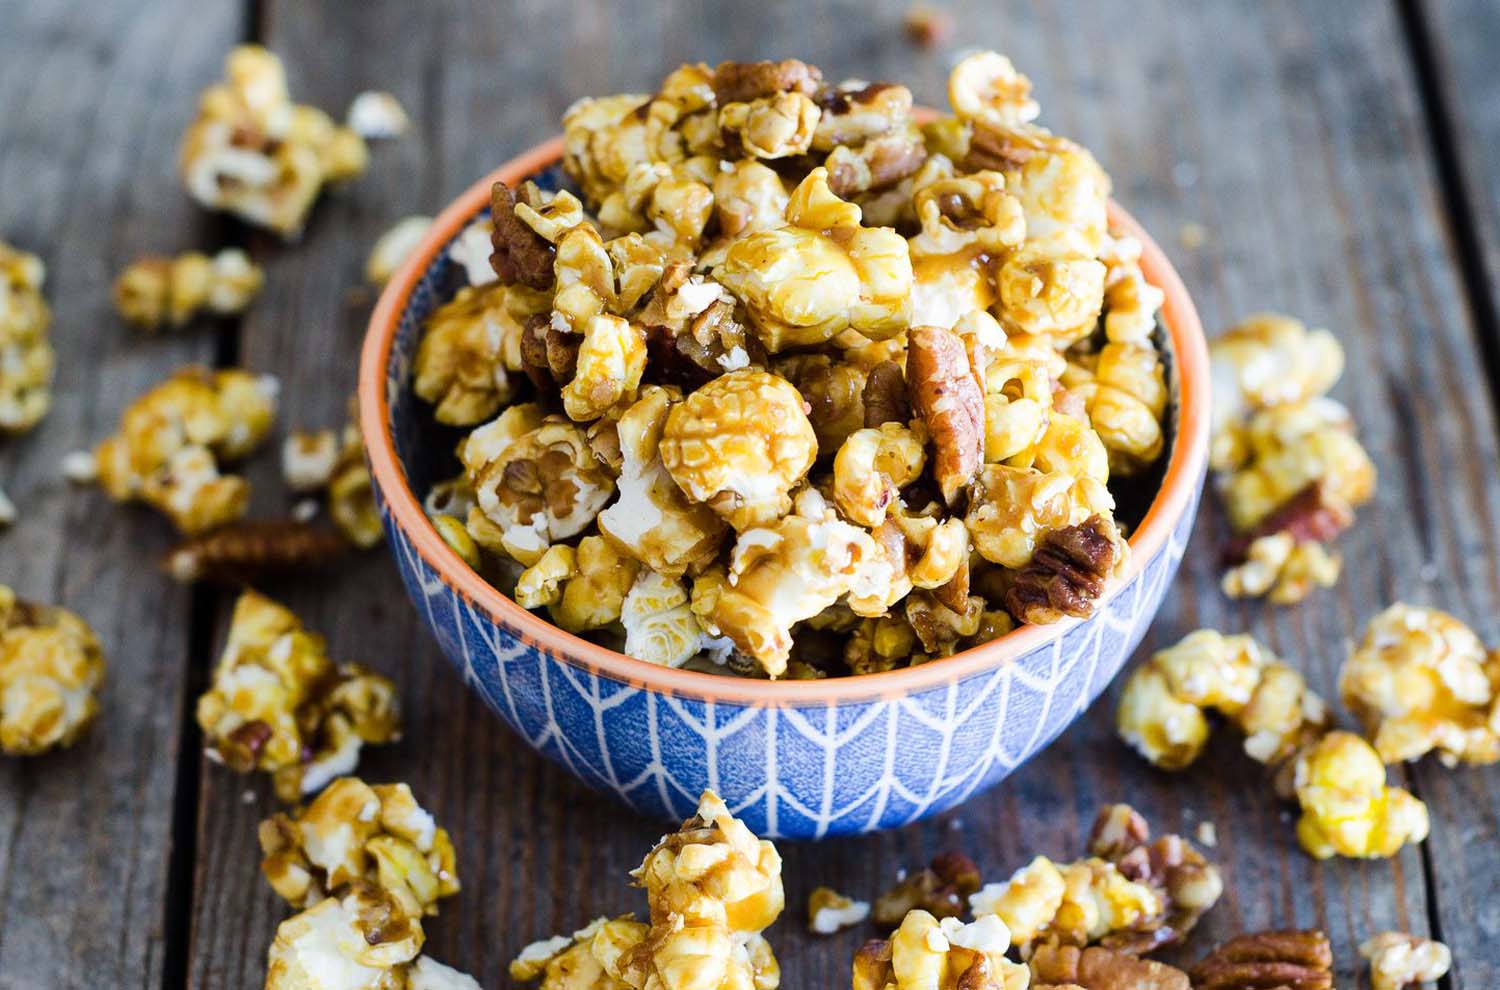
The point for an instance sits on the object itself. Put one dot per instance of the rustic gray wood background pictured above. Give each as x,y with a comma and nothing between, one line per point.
1342,158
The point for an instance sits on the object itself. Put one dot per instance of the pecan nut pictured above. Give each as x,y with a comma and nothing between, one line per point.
884,397
1068,573
1310,516
942,890
1097,968
947,395
741,82
241,552
1294,960
521,255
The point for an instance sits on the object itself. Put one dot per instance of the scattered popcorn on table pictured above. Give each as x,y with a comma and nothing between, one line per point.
1161,710
1421,681
376,114
828,911
159,291
712,887
893,375
50,669
1398,960
252,152
1289,468
1131,894
333,462
174,439
394,246
1347,807
354,832
927,953
278,704
360,941
26,356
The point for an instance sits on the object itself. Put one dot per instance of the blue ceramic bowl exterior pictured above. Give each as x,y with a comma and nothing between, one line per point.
789,770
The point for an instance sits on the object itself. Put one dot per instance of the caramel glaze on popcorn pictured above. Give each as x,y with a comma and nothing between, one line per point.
796,365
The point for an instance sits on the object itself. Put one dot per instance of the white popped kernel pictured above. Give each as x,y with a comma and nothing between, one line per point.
375,114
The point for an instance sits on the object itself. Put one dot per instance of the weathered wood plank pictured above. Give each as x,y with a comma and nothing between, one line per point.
1456,39
1293,138
95,99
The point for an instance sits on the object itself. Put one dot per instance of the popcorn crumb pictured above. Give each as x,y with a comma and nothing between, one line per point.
247,796
80,467
1207,834
305,510
393,248
1191,235
828,911
376,114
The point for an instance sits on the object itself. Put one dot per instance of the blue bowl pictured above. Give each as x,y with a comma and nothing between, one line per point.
794,759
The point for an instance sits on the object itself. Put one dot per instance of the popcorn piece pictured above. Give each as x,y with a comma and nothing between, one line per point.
353,833
279,705
160,291
802,286
928,954
872,467
376,114
252,152
653,520
968,215
394,246
939,889
1398,960
541,583
786,572
1131,894
711,886
173,438
749,197
986,87
594,596
1421,681
611,360
1282,569
542,487
334,462
470,347
1124,394
26,355
778,126
660,627
828,911
50,670
1011,510
1347,808
456,535
739,444
1161,708
308,459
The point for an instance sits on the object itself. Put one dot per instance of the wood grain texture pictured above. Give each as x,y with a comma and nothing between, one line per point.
1294,135
95,97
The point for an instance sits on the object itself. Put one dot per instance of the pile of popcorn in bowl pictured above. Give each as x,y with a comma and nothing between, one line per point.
802,381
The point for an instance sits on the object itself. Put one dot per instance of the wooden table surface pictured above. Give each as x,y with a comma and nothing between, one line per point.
1341,159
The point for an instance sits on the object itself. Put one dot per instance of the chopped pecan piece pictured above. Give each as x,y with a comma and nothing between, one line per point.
942,890
741,82
882,161
948,396
1310,516
884,397
549,355
1098,968
521,254
1068,573
242,552
1294,960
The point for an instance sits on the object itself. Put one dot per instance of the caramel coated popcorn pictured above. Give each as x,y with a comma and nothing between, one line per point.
1131,893
157,291
1347,807
1162,708
252,152
1398,960
1289,468
793,353
926,953
173,440
358,941
50,670
333,462
278,704
1421,681
26,356
353,833
712,887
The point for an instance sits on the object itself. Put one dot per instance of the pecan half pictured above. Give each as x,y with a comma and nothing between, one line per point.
884,396
1098,968
1295,960
883,161
521,255
242,552
741,82
549,355
1067,574
942,890
946,394
1310,516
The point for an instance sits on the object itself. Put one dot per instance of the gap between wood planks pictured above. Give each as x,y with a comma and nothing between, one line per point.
205,606
207,602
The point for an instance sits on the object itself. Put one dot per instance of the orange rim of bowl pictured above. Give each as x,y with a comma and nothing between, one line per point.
1180,484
